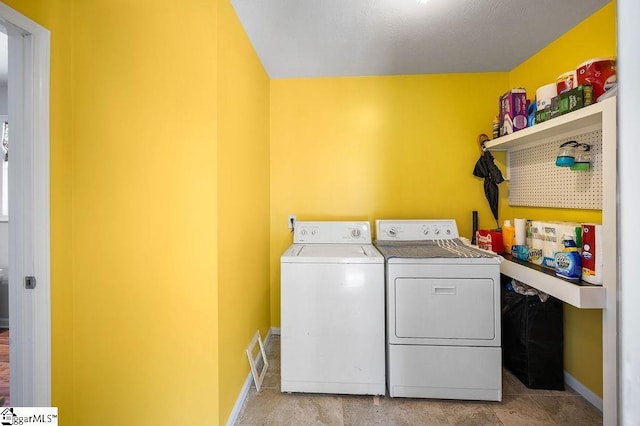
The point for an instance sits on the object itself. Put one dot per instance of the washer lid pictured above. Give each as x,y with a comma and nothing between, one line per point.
332,253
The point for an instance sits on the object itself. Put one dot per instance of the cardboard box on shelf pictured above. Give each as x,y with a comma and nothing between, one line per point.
555,108
568,101
543,115
576,98
592,263
513,111
490,240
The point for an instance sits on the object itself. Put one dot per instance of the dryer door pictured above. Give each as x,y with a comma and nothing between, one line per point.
444,310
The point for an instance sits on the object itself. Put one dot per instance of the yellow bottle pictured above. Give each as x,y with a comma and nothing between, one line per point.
508,233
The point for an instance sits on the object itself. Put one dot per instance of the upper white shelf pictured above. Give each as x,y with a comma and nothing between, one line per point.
583,120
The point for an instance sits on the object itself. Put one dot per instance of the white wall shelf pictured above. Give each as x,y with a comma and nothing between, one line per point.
581,295
583,120
600,116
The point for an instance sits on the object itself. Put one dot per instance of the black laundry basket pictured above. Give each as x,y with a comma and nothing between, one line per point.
532,340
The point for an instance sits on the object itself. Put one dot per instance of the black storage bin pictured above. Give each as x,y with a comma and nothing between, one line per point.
532,340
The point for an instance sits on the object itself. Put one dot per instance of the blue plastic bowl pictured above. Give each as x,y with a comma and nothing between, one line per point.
563,161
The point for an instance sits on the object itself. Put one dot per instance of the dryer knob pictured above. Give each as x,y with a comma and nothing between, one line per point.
437,231
392,232
314,232
355,233
303,232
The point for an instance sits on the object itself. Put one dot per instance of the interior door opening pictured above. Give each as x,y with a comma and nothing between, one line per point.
5,397
28,55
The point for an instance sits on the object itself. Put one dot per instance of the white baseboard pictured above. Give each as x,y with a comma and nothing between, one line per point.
585,392
240,401
244,391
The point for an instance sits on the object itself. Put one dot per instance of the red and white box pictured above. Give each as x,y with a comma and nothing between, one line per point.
592,253
490,240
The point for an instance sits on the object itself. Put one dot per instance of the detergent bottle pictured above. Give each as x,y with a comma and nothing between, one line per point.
508,233
568,261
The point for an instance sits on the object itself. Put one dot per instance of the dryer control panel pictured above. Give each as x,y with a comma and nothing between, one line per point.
332,232
412,230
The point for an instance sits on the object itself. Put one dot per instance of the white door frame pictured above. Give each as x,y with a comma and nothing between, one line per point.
29,227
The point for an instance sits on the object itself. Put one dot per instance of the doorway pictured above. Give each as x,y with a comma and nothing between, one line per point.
5,399
28,209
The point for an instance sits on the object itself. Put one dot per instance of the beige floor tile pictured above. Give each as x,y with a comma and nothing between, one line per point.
271,381
272,348
271,407
519,410
470,413
392,411
361,410
520,406
569,410
272,376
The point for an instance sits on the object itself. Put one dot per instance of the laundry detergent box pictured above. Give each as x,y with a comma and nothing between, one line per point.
513,111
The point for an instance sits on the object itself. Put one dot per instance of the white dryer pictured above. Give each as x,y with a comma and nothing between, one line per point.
443,312
332,311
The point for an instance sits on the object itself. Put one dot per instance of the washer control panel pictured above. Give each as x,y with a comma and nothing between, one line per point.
332,232
411,230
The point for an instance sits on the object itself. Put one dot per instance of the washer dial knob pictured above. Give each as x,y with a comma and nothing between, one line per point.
355,233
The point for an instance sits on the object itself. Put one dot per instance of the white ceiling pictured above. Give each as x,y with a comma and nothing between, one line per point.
319,38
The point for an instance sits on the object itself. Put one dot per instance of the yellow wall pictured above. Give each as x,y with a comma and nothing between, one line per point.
595,37
160,134
152,307
367,148
243,203
144,211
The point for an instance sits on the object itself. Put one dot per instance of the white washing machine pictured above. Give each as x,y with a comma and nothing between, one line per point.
332,311
443,312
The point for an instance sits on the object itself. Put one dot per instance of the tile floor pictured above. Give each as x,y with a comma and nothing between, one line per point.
519,406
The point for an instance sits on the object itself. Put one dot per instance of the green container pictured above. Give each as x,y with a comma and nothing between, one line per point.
581,166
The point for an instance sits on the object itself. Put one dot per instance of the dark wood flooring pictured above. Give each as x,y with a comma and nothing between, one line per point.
4,366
